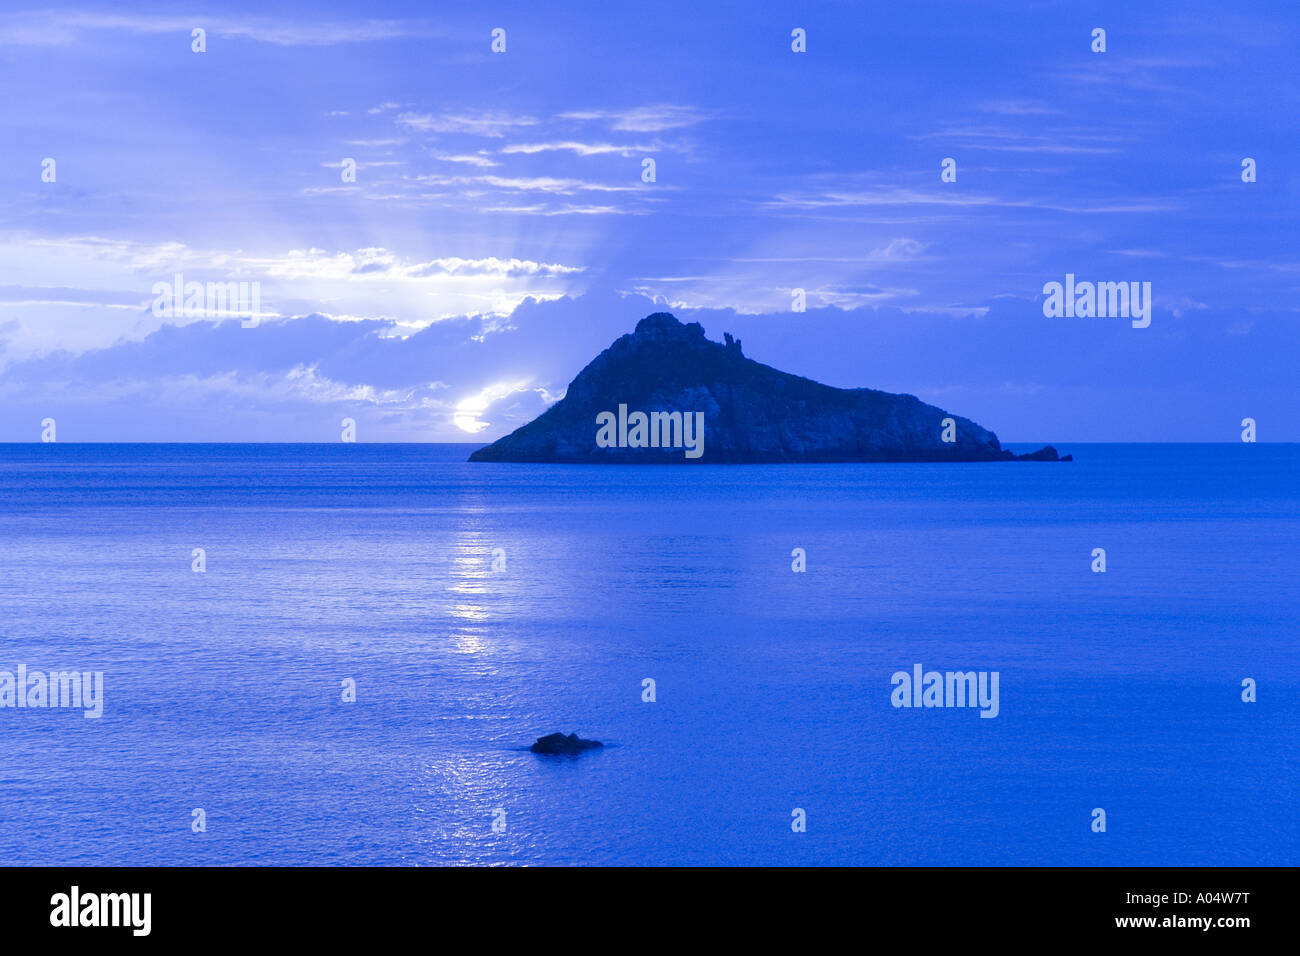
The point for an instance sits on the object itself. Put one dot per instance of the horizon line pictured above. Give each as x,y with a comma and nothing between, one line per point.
457,443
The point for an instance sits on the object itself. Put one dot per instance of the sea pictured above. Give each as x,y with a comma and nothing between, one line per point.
340,654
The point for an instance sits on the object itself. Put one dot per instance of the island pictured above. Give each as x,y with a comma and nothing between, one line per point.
666,394
557,743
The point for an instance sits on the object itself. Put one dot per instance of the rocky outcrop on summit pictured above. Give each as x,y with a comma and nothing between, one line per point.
752,413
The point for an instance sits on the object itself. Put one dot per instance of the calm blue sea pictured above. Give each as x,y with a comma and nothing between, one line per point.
223,689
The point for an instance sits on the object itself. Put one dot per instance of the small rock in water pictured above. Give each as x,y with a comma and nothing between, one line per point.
560,744
1046,453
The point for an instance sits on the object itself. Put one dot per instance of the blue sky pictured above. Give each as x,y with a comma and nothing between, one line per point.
499,233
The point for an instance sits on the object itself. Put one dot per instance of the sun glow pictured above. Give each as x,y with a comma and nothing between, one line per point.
466,417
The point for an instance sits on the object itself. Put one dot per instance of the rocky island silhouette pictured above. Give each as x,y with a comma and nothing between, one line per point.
665,394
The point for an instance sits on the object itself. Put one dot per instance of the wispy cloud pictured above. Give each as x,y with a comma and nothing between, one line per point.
641,119
380,263
1151,74
1005,139
884,196
477,124
896,250
571,146
564,209
900,196
1137,253
363,264
367,164
59,28
468,159
546,184
1019,108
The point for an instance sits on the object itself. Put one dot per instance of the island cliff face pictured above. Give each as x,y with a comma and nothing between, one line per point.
730,410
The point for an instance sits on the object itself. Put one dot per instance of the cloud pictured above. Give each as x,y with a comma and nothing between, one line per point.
369,263
566,209
59,28
119,277
1137,253
294,380
1002,139
311,370
545,184
469,159
477,124
896,250
641,119
582,149
469,411
490,266
901,196
884,196
365,164
1113,76
551,184
1019,108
